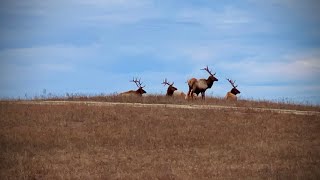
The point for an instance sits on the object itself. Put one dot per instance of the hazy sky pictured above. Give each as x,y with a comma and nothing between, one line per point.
271,48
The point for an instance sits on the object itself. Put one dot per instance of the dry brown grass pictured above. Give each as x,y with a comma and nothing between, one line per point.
92,142
160,99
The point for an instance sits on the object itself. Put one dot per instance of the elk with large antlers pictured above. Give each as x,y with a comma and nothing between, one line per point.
173,91
201,85
232,95
137,92
170,89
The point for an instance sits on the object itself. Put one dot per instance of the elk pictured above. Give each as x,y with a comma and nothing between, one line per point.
172,91
137,92
201,85
232,95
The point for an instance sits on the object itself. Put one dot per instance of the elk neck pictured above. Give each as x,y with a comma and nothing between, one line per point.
140,91
170,90
235,91
210,81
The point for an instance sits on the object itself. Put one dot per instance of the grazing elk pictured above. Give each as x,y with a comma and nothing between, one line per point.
137,92
201,85
232,95
172,91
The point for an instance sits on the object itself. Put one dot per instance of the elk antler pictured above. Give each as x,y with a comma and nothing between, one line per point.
232,83
165,82
138,83
207,69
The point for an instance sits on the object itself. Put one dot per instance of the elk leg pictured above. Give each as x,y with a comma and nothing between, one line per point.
203,95
189,92
192,93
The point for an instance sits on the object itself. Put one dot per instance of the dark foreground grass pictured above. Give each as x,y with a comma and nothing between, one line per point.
88,142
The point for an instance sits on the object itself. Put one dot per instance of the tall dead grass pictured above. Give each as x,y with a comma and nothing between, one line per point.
161,99
92,142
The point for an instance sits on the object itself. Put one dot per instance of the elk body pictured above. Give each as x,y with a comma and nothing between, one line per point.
137,92
178,93
232,95
201,85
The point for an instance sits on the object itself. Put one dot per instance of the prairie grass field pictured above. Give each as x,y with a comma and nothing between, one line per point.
77,141
160,99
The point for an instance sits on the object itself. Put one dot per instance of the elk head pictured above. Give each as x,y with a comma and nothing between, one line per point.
234,90
139,85
212,76
170,89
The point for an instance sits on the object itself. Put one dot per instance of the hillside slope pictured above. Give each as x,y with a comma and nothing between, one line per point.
79,140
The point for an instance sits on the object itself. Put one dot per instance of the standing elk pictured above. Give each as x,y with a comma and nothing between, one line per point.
172,91
137,92
201,85
232,95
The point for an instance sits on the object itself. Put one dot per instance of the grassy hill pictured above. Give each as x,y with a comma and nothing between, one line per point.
119,142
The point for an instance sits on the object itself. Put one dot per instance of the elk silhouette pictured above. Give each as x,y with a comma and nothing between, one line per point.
232,95
201,85
137,92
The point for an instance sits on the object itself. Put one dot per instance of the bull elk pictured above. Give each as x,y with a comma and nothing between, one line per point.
172,91
232,95
137,92
201,85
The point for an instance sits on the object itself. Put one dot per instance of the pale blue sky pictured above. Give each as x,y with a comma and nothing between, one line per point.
271,48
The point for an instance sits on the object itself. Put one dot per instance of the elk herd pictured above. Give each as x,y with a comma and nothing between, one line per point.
196,86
